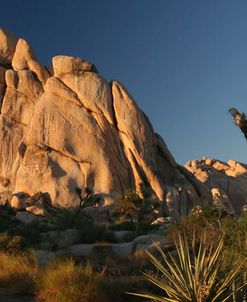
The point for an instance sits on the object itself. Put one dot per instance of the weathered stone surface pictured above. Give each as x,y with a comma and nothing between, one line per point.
121,235
18,203
64,64
148,243
221,200
2,84
227,181
36,210
24,58
7,47
122,250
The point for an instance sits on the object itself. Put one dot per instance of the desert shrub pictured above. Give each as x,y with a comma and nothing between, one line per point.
207,219
197,273
236,235
95,233
214,223
67,218
128,207
11,244
28,235
6,217
72,218
123,226
132,209
31,233
145,227
18,272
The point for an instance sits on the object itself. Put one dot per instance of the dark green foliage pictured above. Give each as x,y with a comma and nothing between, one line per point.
212,223
89,231
66,219
21,236
6,217
128,207
133,209
123,226
143,228
236,238
11,244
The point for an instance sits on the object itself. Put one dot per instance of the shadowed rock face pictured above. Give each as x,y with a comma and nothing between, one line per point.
72,129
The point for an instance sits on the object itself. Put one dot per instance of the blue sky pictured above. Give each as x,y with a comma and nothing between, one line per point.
184,61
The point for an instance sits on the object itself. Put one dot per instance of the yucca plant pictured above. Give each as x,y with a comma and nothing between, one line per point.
194,274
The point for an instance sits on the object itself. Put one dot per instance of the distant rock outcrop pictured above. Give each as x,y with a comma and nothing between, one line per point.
69,129
227,181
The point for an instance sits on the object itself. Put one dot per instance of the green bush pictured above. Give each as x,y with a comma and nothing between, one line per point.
67,218
6,217
128,207
73,218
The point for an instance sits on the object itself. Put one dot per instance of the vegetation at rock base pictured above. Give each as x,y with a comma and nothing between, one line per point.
18,272
195,273
109,279
64,281
131,212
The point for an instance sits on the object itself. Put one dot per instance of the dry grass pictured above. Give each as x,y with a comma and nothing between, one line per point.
17,273
64,281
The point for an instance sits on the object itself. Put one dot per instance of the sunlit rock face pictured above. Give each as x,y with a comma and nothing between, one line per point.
70,129
226,180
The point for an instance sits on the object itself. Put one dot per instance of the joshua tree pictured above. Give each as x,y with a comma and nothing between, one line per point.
240,120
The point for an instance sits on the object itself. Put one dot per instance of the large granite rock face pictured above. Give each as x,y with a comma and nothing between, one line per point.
72,129
227,181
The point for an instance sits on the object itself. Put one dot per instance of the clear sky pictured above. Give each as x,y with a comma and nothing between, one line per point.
184,61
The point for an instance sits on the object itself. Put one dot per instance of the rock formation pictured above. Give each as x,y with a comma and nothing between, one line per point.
70,129
227,181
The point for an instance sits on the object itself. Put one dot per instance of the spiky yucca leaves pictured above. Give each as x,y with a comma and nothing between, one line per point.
240,120
196,274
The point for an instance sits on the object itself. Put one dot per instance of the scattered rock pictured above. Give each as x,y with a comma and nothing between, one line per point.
36,210
148,242
67,238
227,182
25,217
123,250
221,200
159,220
18,203
81,250
121,235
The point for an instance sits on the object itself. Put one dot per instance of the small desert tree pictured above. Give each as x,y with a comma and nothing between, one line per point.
240,120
